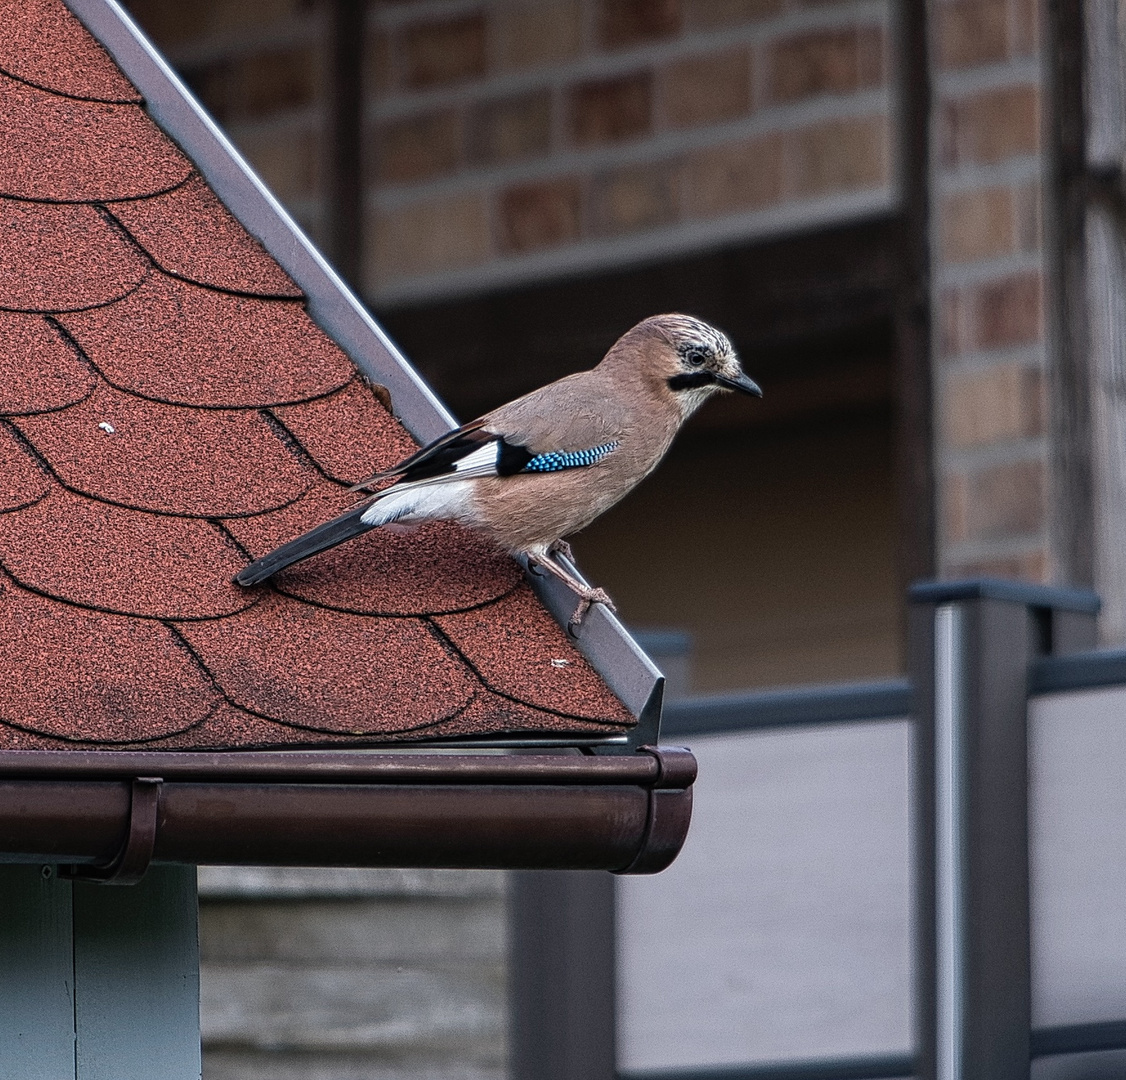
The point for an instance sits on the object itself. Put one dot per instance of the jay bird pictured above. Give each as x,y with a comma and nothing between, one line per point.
546,465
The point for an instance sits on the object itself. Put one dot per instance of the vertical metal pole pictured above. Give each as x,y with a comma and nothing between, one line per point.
561,976
950,869
971,646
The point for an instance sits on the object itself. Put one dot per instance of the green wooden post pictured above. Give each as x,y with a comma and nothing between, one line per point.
36,974
99,982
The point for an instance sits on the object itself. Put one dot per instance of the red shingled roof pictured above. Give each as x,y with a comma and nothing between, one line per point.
169,411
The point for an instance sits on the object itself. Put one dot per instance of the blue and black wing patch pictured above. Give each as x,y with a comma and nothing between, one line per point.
557,460
472,451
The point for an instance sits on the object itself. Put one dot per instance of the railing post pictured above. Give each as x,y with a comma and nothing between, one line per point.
971,643
561,975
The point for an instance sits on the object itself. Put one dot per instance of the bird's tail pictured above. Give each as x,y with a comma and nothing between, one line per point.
321,538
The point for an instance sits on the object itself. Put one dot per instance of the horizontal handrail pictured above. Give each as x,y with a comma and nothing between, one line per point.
1077,671
1046,1042
876,1067
1079,1038
799,706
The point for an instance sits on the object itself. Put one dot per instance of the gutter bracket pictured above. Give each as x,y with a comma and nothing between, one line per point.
128,866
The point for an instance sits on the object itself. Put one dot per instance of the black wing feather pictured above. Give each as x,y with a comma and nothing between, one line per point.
440,457
321,538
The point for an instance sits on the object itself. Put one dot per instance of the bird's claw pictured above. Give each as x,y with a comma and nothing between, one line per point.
588,597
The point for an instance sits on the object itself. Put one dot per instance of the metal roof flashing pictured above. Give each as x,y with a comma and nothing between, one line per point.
602,639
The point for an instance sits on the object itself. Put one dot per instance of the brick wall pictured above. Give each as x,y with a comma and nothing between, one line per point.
990,347
509,139
260,67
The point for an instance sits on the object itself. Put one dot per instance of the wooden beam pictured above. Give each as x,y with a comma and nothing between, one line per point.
98,982
36,974
1072,508
345,108
913,377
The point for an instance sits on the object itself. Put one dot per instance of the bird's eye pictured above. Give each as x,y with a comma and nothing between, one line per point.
695,357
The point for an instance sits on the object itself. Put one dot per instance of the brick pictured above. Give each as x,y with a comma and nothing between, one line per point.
273,81
635,198
711,14
1028,224
955,508
538,34
871,57
611,110
172,22
380,73
1006,500
259,84
953,323
418,147
287,158
734,177
822,62
1026,27
430,236
707,88
836,156
1027,566
998,405
977,225
991,126
213,84
1007,313
540,215
624,23
971,32
440,53
511,129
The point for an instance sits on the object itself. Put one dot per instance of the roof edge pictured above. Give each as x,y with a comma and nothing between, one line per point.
336,309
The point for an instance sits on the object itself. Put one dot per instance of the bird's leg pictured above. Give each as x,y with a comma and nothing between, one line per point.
586,594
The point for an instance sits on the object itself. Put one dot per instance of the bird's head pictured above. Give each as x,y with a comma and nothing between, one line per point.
692,360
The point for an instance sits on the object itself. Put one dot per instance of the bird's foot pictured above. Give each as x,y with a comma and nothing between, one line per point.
561,547
587,597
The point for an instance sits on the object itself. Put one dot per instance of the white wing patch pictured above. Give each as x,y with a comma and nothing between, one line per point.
451,501
482,462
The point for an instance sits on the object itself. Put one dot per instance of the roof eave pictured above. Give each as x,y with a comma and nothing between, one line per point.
605,643
107,812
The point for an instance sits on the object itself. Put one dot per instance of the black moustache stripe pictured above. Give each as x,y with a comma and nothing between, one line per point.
691,380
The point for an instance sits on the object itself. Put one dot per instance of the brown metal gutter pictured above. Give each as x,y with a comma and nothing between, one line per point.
118,810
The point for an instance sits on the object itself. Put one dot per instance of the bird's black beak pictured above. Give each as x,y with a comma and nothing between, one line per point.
741,382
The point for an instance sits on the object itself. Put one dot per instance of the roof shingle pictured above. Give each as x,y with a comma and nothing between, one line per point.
84,151
169,410
40,370
56,258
